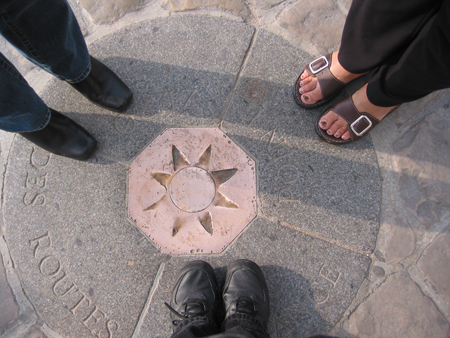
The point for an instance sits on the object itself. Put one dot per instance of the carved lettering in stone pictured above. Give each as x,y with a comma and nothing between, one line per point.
166,97
49,266
255,116
145,109
33,198
80,303
111,326
39,159
285,195
320,288
36,181
191,93
124,124
317,295
42,243
330,275
92,317
288,173
60,285
93,320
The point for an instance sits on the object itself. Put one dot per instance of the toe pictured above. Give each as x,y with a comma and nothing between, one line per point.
346,136
327,120
312,96
308,85
304,75
341,131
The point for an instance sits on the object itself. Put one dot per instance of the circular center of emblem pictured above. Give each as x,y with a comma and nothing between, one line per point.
192,189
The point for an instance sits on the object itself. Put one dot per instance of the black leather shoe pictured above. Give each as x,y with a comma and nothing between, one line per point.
64,137
195,294
245,292
104,88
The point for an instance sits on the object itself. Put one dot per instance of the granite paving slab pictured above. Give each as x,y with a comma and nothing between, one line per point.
324,189
89,271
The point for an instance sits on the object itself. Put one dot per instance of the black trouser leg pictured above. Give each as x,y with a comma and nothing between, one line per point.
406,42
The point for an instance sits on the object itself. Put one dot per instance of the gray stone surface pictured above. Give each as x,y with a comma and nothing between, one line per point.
237,7
314,21
434,265
264,119
10,309
410,313
87,269
109,11
174,83
307,288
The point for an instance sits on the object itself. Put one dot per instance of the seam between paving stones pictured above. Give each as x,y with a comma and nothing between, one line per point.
151,293
244,62
27,313
428,297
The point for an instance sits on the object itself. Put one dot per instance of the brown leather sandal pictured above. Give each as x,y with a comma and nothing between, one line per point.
329,85
359,124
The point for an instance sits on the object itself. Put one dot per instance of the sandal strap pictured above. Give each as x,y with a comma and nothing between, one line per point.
359,124
320,68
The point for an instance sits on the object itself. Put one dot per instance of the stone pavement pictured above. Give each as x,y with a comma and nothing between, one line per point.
353,240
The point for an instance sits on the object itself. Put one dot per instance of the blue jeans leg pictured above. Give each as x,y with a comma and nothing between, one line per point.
45,32
21,109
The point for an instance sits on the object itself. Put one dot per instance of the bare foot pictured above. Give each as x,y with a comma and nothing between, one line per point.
338,127
309,85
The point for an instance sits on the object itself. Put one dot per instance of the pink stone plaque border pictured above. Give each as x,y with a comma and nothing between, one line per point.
212,229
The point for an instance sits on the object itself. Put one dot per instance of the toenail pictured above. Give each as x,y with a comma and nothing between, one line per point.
344,137
336,135
323,123
329,132
301,91
306,97
301,83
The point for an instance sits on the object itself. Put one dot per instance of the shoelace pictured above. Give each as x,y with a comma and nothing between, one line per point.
192,308
246,305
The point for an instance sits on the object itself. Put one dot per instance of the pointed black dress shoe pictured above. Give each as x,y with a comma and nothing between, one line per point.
64,137
195,297
104,88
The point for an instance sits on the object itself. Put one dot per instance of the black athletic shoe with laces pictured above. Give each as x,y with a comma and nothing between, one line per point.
245,292
195,294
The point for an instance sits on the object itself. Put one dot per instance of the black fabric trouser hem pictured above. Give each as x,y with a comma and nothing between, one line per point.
406,42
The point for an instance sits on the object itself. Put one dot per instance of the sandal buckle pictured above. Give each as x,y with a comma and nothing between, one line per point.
362,117
315,71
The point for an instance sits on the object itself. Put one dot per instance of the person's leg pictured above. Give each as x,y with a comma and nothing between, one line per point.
21,109
47,33
375,32
422,68
195,302
246,301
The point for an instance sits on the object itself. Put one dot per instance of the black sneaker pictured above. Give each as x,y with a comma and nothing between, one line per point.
245,292
195,294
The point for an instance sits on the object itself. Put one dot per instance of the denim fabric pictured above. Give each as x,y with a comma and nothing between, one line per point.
45,32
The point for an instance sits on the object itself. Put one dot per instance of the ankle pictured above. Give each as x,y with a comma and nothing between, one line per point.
362,104
340,72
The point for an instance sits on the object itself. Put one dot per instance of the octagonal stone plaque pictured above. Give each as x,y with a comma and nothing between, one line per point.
192,190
